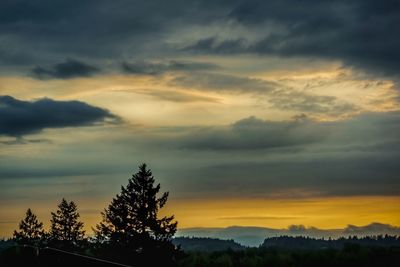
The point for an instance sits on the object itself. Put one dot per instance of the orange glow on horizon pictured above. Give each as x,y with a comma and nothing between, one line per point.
324,213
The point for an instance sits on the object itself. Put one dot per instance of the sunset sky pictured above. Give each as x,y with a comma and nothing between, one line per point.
252,113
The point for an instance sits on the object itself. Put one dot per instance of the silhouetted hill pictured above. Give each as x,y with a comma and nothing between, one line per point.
206,244
254,236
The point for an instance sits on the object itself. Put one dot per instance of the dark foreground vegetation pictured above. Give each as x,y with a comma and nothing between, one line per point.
286,254
349,255
295,251
131,233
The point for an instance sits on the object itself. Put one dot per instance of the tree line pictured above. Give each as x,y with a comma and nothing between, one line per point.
304,242
130,231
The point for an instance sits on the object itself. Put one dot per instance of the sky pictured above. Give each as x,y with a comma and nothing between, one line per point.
250,113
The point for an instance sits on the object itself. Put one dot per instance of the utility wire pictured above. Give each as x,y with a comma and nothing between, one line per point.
87,257
76,254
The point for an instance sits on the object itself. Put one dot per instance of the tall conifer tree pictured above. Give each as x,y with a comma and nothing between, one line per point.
132,221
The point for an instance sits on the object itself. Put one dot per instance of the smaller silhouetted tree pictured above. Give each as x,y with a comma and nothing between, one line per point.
30,230
66,229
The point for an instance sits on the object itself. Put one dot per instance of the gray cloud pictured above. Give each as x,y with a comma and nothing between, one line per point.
21,141
224,82
18,117
155,68
372,229
254,134
178,97
213,45
305,102
66,70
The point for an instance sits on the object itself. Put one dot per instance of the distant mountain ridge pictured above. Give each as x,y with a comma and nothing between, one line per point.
255,236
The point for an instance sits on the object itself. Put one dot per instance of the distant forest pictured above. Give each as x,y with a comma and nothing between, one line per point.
131,233
206,244
286,242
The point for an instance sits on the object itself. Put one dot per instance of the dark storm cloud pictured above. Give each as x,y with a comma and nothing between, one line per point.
18,117
150,68
360,33
66,70
256,134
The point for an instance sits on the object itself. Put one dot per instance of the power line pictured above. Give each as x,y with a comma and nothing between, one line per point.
87,257
76,254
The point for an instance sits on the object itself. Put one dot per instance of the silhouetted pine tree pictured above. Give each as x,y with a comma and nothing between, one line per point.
131,220
30,230
66,229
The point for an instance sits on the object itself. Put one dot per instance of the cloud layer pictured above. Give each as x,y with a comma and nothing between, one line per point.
358,33
250,157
